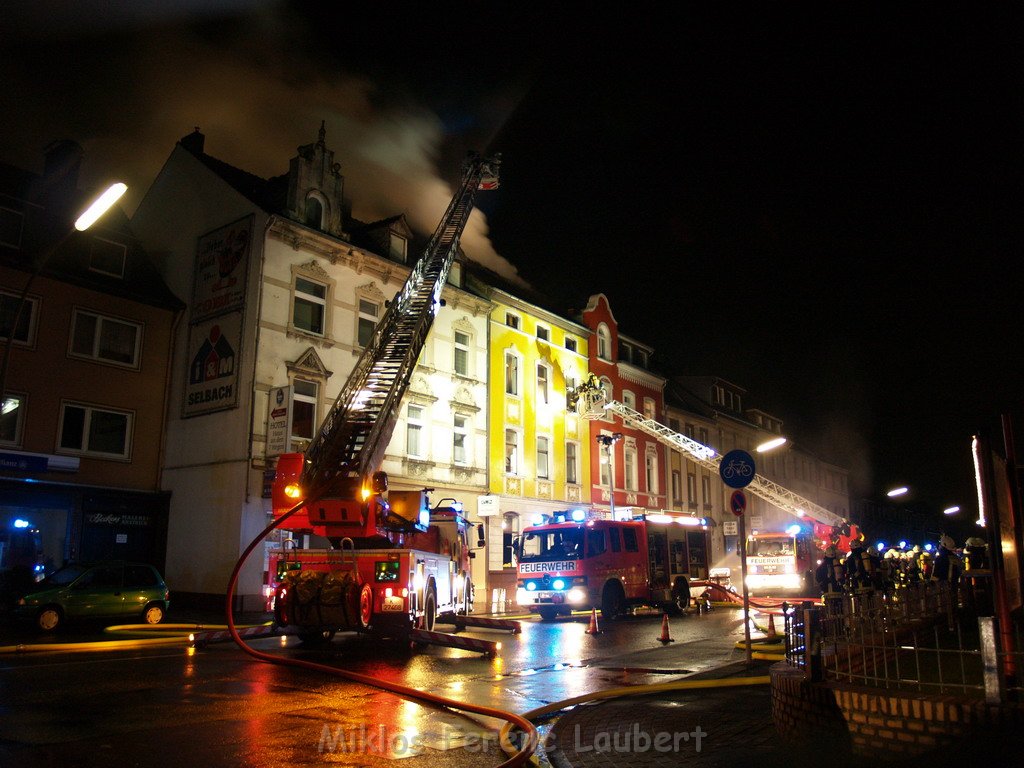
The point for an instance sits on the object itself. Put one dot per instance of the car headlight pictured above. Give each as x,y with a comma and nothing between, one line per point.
576,595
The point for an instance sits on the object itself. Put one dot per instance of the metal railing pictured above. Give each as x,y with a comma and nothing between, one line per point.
916,638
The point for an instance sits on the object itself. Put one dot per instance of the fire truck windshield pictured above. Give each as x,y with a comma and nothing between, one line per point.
773,547
558,544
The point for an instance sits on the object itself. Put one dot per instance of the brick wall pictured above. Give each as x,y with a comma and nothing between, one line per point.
876,722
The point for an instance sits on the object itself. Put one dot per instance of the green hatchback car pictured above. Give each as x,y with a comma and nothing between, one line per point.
110,590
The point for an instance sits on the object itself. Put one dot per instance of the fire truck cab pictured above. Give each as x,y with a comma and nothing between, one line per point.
574,563
781,563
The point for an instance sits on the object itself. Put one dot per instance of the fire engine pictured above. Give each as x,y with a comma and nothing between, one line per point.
395,564
570,562
779,563
819,527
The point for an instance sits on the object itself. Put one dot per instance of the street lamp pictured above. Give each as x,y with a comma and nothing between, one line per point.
86,219
773,443
950,510
607,441
897,491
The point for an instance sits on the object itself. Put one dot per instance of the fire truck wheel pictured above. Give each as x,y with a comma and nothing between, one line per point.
613,601
429,610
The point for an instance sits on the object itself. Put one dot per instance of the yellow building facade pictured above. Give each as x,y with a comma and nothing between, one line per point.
539,454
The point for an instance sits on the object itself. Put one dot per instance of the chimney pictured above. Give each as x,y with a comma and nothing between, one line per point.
194,142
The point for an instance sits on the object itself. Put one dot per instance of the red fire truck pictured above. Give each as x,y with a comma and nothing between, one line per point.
784,563
569,562
394,564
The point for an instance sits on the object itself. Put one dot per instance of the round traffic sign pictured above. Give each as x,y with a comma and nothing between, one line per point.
738,502
737,469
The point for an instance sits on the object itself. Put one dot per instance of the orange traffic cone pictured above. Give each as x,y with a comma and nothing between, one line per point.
664,630
592,629
772,635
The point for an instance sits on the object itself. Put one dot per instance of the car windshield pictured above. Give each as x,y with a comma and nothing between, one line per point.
66,575
559,544
772,547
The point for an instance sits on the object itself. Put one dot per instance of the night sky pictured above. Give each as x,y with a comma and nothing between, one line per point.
818,202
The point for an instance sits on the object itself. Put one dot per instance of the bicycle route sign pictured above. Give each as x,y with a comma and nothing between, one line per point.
737,469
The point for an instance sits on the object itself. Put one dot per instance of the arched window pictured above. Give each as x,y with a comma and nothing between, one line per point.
604,342
314,212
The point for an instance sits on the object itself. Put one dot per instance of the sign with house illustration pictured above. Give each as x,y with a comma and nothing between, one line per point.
213,349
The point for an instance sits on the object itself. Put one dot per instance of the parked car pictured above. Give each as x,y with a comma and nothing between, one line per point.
101,590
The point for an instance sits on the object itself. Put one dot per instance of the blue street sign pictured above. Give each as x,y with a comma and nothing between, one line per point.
737,469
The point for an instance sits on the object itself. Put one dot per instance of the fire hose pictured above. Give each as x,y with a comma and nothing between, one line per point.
519,754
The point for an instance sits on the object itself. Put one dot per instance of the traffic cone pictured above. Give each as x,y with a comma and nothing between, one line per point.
771,627
664,630
592,629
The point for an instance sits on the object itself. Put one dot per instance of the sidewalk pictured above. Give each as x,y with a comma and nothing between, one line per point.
717,726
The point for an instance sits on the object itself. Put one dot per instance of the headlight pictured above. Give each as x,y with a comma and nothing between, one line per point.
521,597
576,595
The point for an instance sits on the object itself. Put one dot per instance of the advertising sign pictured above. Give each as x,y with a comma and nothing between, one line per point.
213,355
279,421
222,264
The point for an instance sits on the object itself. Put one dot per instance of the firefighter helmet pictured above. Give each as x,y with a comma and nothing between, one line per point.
830,551
947,542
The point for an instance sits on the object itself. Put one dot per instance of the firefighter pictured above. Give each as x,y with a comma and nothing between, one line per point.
858,566
975,553
912,566
828,574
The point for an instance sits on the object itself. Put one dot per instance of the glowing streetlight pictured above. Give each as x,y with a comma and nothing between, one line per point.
897,491
950,510
86,219
774,443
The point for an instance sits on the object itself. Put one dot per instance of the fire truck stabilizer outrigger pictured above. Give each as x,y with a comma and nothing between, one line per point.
778,562
395,565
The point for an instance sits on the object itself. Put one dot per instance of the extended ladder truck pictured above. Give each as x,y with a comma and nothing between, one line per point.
781,561
395,565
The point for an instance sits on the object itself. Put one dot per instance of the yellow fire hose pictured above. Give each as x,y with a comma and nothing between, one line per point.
145,636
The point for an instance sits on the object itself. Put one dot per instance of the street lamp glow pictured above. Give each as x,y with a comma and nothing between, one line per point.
898,491
101,205
767,446
950,510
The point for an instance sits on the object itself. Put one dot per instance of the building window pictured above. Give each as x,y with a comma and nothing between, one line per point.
641,358
604,342
9,305
544,334
10,228
629,399
459,439
606,468
455,275
703,436
572,463
103,338
673,424
511,452
649,408
461,361
304,401
629,464
543,391
509,530
310,306
414,431
691,490
107,257
570,344
651,468
95,431
314,213
625,352
677,482
543,459
705,487
398,247
511,374
511,320
12,416
369,312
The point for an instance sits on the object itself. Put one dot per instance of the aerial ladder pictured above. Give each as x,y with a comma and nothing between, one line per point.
337,473
590,401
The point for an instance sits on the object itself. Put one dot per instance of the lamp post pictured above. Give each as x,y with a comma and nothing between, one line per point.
86,219
770,444
607,441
